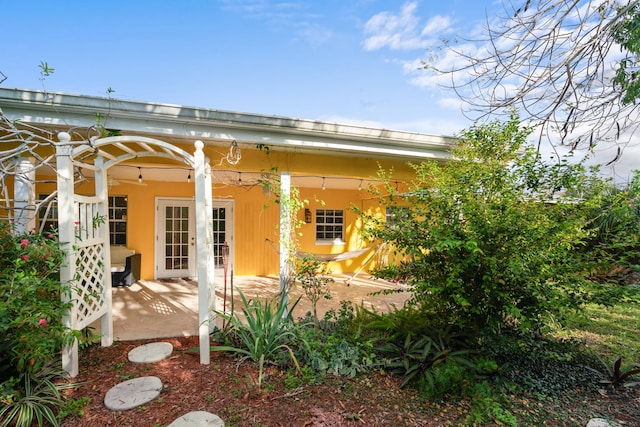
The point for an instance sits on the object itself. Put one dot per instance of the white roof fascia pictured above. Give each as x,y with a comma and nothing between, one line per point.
175,121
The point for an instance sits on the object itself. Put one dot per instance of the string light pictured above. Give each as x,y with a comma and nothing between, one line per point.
241,180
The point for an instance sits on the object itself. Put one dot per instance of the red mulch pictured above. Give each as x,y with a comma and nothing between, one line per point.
229,390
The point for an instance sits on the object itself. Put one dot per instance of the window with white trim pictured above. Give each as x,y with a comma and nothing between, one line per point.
117,218
329,226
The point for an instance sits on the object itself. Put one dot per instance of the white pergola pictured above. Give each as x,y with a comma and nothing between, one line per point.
83,232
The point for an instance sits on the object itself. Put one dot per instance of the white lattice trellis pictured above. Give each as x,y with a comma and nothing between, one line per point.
89,287
83,232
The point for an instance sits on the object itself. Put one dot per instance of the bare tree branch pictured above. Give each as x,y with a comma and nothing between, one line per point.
20,140
553,61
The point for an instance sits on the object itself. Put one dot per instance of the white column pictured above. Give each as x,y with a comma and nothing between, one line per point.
285,234
102,191
24,195
66,234
201,253
211,268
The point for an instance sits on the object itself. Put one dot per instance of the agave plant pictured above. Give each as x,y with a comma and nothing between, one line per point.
263,331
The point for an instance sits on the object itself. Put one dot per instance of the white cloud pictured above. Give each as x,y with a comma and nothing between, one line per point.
395,31
436,26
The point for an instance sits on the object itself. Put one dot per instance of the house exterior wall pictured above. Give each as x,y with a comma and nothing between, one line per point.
256,213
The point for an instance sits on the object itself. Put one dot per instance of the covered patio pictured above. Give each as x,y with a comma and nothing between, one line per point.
169,308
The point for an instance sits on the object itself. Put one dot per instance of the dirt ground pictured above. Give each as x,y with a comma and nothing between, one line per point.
229,390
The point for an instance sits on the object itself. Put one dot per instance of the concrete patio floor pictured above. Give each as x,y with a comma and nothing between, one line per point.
169,308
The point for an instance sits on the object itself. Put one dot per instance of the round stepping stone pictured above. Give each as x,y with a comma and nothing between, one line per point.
152,352
132,393
601,422
198,419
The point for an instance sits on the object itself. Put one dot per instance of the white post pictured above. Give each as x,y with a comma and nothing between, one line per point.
201,253
211,268
102,191
67,237
285,234
24,195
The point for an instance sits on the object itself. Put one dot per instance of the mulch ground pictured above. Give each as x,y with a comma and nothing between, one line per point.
230,390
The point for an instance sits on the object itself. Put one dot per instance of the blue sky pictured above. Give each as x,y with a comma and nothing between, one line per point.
333,60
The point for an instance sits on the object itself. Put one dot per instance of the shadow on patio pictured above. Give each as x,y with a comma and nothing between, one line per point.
169,308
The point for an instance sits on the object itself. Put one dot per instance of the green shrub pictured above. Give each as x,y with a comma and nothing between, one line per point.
488,240
336,345
31,329
488,405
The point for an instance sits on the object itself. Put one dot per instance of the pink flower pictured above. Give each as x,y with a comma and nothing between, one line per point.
25,257
42,322
50,236
24,243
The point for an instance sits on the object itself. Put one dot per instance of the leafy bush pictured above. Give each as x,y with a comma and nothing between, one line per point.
328,353
488,404
336,345
613,250
488,239
31,329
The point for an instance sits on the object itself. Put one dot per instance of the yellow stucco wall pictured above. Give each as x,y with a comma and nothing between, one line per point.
256,215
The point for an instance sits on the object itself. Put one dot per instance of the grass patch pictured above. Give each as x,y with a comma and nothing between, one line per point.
608,331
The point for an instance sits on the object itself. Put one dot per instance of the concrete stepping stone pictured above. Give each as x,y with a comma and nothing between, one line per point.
132,393
149,353
198,419
601,422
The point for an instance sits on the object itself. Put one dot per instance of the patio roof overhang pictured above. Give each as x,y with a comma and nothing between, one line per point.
61,111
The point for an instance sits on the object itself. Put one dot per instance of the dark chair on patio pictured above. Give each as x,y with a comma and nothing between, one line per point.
125,266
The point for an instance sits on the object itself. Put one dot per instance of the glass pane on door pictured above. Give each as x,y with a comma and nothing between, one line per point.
176,238
219,235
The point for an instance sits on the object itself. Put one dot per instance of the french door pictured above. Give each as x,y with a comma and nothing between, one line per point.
175,238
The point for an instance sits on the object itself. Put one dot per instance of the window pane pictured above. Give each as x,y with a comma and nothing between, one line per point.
329,225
